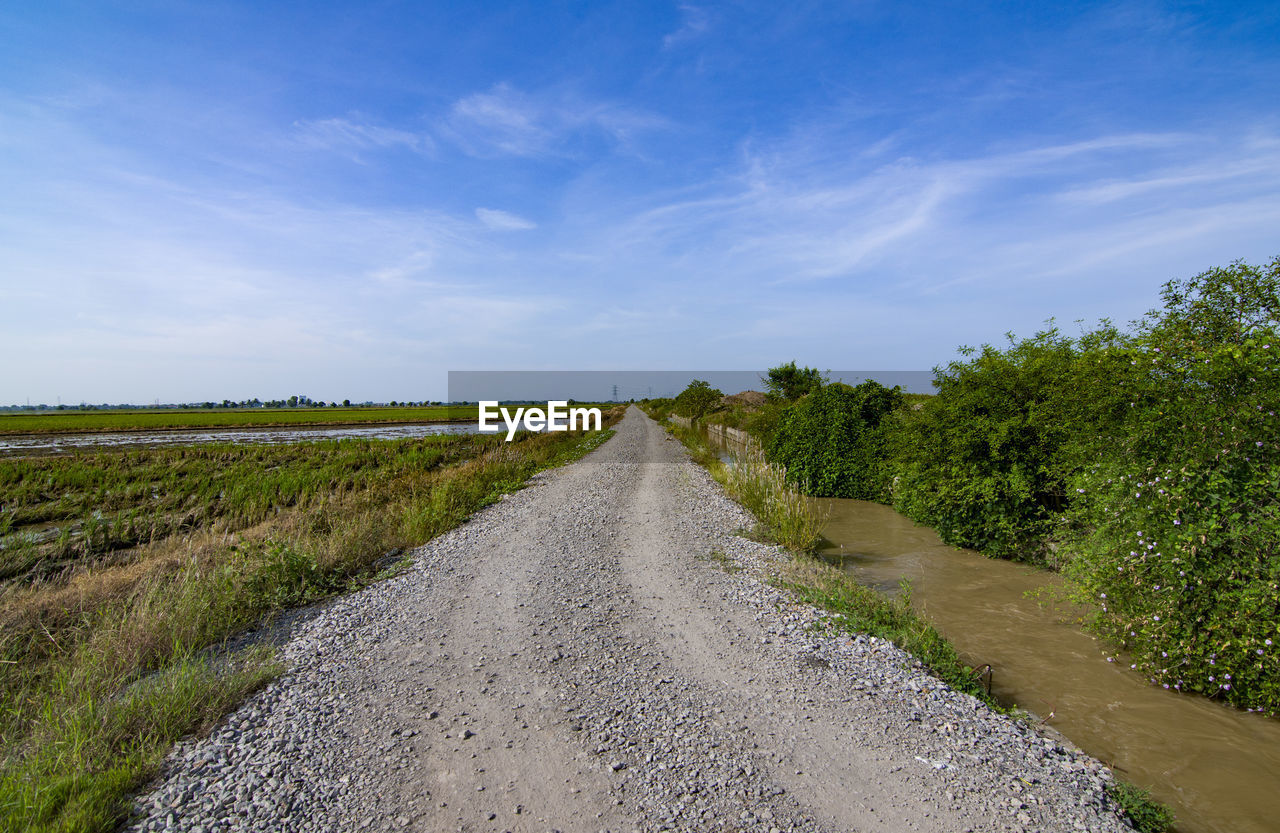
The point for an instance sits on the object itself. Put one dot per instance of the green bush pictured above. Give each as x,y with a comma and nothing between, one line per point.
1152,458
697,400
658,409
1174,533
1146,463
789,383
833,440
986,460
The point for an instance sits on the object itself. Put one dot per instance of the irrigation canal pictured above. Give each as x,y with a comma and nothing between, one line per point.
1216,766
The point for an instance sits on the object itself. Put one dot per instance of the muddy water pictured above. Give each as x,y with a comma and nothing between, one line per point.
1217,767
39,444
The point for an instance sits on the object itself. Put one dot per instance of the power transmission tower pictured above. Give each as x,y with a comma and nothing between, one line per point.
615,393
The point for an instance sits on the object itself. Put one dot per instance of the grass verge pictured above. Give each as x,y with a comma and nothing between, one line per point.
862,610
104,667
1145,814
785,516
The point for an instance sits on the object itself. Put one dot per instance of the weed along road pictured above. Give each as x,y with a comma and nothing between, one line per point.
600,651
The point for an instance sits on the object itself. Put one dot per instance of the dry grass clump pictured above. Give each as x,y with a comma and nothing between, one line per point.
784,513
762,487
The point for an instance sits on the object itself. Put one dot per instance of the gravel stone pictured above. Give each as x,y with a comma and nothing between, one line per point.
571,659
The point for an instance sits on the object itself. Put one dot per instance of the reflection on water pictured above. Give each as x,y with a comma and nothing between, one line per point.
1217,767
32,444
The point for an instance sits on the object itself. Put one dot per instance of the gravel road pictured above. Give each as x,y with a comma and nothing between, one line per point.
574,659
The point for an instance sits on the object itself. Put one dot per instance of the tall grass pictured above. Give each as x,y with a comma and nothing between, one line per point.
785,515
103,669
95,751
762,487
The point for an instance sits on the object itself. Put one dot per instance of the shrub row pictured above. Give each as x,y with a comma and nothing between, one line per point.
1144,463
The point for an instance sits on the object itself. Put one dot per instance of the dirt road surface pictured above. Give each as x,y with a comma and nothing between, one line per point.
599,652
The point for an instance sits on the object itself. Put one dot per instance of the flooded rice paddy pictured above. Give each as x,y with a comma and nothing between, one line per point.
41,444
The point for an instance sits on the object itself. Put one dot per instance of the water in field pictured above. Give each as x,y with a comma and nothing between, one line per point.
1219,768
40,444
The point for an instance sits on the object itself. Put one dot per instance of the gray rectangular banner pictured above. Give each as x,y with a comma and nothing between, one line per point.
625,385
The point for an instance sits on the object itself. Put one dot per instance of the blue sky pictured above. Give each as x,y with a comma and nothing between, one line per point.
206,200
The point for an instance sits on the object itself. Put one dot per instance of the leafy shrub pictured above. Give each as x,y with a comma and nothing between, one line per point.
985,461
763,424
832,441
697,400
1176,527
285,576
788,382
657,408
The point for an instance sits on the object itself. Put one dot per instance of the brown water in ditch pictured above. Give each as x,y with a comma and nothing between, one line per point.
1218,768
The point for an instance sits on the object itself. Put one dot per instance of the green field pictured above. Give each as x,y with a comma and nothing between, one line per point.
123,572
51,422
104,502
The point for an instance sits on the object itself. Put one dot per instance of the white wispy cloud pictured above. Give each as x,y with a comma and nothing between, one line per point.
505,121
127,283
1005,239
821,242
501,120
694,22
1222,168
348,136
499,220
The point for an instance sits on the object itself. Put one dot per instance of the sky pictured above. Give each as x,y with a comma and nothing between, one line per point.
209,200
